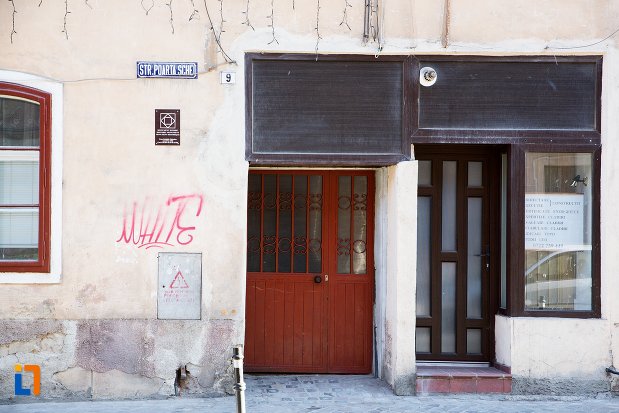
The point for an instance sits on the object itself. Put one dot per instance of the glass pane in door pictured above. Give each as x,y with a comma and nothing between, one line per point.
300,224
360,206
474,259
422,339
424,248
344,204
284,224
269,217
254,212
448,236
448,308
315,225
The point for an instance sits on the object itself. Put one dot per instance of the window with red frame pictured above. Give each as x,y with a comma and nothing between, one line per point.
25,165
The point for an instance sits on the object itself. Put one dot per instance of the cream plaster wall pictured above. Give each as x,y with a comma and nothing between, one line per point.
609,200
400,250
382,353
110,160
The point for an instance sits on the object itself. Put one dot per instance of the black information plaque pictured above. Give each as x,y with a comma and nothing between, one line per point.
167,127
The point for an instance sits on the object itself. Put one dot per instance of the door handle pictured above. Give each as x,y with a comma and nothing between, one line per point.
486,253
318,279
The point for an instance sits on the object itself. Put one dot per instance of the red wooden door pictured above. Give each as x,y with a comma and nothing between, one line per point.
310,273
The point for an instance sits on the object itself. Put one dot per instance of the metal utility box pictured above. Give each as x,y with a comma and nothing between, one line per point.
179,290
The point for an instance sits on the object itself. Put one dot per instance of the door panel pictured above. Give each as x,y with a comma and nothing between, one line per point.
309,272
350,349
284,319
351,281
457,206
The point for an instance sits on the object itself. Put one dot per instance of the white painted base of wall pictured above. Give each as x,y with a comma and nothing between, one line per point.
554,355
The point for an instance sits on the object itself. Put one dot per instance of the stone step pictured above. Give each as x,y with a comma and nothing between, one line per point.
444,379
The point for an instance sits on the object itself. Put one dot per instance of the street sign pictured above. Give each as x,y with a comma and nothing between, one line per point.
169,70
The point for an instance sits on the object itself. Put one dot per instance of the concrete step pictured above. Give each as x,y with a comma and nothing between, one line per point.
444,379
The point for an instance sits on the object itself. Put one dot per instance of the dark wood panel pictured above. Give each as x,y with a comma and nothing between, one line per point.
511,95
330,111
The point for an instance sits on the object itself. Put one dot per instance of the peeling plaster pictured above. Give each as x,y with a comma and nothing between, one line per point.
100,359
25,330
122,345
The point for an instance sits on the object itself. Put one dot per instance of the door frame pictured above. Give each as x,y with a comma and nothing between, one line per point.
491,298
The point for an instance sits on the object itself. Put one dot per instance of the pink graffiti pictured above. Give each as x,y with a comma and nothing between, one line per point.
148,228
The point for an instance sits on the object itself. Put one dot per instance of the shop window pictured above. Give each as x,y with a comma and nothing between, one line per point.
560,232
25,165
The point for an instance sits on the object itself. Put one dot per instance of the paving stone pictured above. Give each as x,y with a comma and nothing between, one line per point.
345,394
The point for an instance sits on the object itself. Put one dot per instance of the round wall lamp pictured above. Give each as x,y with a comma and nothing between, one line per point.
427,76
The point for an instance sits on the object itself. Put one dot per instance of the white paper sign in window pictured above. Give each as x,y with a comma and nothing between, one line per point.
554,221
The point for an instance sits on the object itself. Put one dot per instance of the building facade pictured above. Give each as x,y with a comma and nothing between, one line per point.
338,187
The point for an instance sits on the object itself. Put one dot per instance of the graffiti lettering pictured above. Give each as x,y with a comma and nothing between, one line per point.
165,226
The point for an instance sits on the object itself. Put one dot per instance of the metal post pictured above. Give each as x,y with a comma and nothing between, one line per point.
239,385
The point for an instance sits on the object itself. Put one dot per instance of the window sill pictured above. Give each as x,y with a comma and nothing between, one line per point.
29,278
532,314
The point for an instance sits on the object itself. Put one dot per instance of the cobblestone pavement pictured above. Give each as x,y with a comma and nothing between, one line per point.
330,393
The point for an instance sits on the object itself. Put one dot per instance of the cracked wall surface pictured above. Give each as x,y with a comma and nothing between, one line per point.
100,359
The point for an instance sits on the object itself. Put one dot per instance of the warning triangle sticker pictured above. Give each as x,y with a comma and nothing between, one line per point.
179,281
